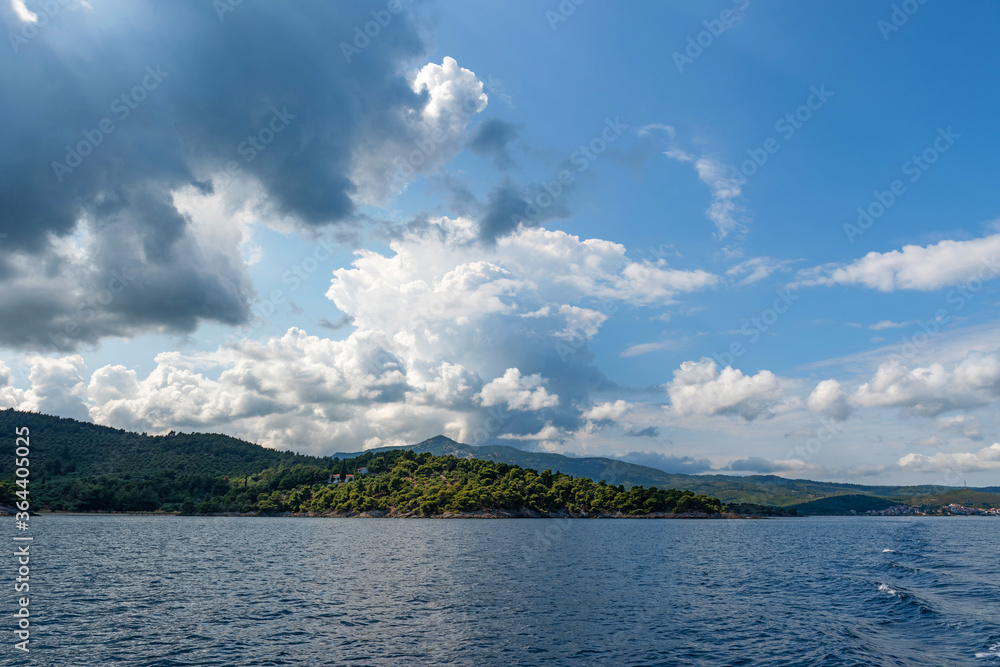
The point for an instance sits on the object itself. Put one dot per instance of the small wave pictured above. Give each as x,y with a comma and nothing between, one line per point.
889,551
885,588
993,652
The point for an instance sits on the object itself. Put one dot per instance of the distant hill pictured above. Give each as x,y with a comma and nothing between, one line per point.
844,504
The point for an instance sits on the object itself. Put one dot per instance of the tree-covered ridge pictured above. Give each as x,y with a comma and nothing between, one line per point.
421,483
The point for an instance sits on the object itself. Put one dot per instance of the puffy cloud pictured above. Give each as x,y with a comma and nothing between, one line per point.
915,267
439,276
519,393
455,94
57,387
936,388
699,388
608,411
828,398
987,458
528,299
295,391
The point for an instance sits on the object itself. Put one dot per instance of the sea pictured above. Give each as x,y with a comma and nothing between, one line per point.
177,591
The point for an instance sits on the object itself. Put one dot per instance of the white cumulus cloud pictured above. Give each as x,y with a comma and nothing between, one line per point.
828,398
987,458
915,267
700,388
607,411
518,392
935,388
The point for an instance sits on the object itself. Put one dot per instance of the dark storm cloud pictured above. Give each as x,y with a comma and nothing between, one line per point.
492,139
108,110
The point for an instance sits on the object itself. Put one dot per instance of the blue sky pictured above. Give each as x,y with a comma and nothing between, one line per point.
696,285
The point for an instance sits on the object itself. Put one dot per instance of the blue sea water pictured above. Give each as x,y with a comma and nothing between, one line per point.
173,591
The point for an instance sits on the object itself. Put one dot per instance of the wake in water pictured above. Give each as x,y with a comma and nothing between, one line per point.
993,652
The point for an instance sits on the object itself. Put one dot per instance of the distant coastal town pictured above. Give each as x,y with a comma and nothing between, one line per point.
917,510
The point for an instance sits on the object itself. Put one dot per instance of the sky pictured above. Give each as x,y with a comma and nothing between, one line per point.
711,237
